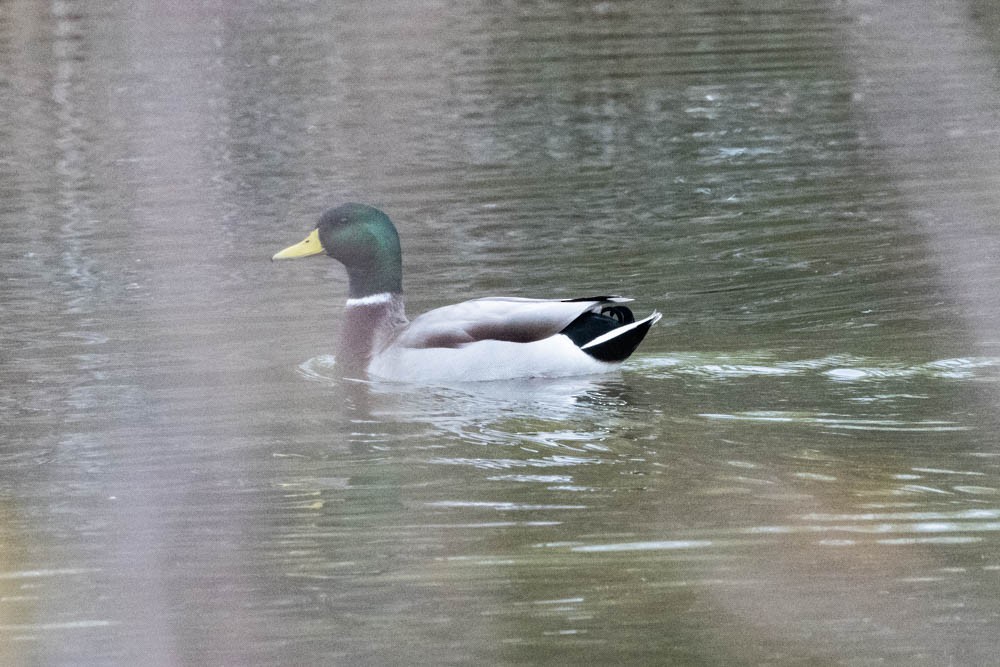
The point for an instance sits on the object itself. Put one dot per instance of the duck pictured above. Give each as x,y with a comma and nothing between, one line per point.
482,339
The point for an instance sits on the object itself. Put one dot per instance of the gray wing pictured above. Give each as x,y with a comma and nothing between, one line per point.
509,319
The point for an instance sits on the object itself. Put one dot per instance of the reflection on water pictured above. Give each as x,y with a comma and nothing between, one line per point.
786,491
799,465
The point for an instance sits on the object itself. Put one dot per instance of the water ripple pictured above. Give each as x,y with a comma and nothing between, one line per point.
838,421
506,464
503,506
834,530
836,367
655,545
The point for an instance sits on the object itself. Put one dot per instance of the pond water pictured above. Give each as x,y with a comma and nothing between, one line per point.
799,465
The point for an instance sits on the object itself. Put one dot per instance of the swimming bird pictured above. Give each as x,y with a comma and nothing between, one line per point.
492,338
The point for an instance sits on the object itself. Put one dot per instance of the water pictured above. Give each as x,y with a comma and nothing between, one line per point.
799,465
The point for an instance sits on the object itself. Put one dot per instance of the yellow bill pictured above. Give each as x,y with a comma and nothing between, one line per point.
311,246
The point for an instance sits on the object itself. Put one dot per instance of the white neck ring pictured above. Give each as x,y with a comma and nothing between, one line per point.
370,300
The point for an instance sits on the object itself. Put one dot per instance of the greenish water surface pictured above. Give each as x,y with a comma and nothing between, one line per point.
799,465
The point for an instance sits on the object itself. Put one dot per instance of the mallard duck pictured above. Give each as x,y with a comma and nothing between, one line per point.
491,338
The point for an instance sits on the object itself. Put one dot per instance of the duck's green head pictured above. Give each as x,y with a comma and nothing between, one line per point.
364,240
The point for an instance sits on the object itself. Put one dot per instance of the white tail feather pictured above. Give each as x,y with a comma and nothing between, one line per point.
614,333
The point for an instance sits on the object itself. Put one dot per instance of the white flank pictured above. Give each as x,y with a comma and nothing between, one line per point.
555,356
370,300
614,333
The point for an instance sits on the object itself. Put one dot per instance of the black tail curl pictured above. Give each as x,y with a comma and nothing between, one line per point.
620,314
